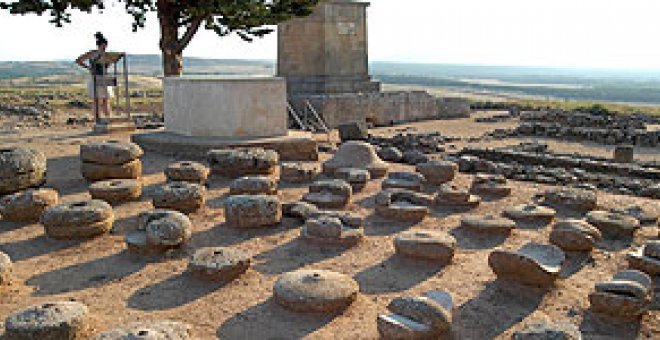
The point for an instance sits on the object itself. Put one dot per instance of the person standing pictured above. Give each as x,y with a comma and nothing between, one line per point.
92,61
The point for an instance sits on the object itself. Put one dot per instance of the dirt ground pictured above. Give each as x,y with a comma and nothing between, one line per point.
120,287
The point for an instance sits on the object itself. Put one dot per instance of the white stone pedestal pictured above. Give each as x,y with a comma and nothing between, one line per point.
199,106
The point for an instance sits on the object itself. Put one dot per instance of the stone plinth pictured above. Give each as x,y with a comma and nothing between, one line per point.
225,106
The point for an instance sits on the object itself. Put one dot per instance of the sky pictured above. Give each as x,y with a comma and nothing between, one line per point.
619,34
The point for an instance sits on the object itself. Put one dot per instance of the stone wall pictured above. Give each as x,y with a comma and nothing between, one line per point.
452,107
380,109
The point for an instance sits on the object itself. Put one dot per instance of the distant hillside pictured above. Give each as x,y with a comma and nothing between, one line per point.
639,87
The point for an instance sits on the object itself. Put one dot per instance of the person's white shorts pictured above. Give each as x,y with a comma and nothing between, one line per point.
101,91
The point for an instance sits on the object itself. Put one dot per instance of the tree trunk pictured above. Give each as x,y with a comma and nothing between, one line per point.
169,40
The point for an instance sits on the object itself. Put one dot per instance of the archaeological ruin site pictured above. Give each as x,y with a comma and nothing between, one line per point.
316,204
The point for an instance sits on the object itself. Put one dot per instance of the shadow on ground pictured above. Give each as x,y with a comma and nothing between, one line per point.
293,255
172,292
33,247
396,274
469,239
500,305
268,320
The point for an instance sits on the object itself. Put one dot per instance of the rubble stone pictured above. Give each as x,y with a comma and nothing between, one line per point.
49,321
253,185
331,230
329,194
646,258
404,180
577,199
490,185
488,223
319,291
78,220
544,331
187,171
452,196
299,172
425,317
403,205
574,235
219,263
627,295
245,211
613,225
110,152
21,168
180,196
242,162
158,231
149,330
624,154
529,213
426,244
438,172
99,172
6,269
390,154
359,155
117,190
357,178
28,205
533,264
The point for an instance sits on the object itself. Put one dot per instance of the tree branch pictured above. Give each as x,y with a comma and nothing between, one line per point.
192,29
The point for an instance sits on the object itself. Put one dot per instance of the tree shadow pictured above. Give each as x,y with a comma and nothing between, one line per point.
575,261
86,275
396,274
595,326
37,246
470,239
268,320
172,292
293,255
379,226
500,305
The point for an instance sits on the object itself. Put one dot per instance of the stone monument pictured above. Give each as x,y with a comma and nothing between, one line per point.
326,52
207,113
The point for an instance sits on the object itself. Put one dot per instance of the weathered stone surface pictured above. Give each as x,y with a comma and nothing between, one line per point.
426,244
613,225
643,215
329,194
357,178
299,172
244,211
49,321
533,264
6,269
318,291
28,205
21,168
529,213
628,295
180,196
487,223
359,155
219,263
159,230
646,258
438,172
390,154
577,199
187,171
491,185
402,205
99,172
110,152
149,330
624,154
574,235
300,210
414,157
117,190
78,220
331,230
452,196
253,185
243,162
544,331
424,317
353,131
404,180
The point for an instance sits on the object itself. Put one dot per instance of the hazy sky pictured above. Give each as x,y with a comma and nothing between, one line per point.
563,33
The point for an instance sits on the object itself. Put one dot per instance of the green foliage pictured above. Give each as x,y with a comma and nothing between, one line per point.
243,17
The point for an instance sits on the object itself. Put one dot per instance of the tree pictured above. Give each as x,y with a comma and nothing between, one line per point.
180,20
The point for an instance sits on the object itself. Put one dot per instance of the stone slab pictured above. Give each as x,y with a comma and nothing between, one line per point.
293,147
